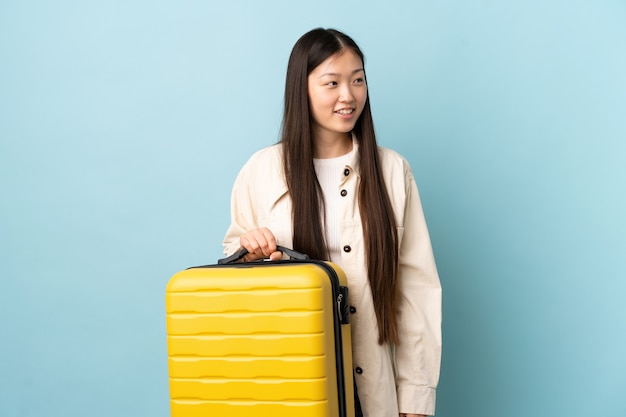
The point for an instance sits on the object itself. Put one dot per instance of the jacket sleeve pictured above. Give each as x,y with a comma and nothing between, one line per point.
418,353
242,211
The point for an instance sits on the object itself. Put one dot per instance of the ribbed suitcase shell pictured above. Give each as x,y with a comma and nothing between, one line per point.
259,339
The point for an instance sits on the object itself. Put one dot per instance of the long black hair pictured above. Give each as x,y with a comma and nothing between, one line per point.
377,217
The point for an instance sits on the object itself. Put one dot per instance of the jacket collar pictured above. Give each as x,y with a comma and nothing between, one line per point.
353,163
280,189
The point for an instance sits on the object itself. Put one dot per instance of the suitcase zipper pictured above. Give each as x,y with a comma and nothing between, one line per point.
342,305
341,317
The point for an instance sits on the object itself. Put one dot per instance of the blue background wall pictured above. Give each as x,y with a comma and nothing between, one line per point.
123,124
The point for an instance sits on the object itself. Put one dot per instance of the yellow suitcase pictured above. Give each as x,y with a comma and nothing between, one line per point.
263,339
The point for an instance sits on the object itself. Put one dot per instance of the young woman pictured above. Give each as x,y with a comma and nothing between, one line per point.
327,190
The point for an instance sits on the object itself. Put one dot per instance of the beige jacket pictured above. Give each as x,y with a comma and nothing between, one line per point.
389,380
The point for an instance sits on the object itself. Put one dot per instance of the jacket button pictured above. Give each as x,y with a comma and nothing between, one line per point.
347,248
344,193
358,370
352,309
346,172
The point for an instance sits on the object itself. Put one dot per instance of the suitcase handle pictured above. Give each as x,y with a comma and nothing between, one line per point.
243,252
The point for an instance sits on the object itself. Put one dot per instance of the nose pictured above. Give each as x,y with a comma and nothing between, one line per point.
345,94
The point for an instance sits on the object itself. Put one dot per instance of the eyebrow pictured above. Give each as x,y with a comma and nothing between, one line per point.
336,74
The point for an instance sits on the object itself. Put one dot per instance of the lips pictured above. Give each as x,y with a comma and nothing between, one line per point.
344,111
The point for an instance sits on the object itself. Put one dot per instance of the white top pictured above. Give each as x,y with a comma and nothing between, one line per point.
330,173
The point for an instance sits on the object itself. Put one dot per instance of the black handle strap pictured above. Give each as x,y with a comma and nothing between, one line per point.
243,252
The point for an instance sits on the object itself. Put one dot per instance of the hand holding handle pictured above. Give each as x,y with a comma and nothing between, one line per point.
242,252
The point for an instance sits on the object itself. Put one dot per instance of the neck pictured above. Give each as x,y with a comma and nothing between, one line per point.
332,147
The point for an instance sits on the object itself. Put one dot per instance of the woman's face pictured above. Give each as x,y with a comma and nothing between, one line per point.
337,95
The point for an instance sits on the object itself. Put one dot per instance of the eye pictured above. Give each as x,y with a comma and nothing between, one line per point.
359,80
332,84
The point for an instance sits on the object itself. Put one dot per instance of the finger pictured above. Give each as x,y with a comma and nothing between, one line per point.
251,243
276,256
255,242
249,257
262,241
267,241
269,238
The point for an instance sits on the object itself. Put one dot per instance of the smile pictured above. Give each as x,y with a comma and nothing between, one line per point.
345,111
